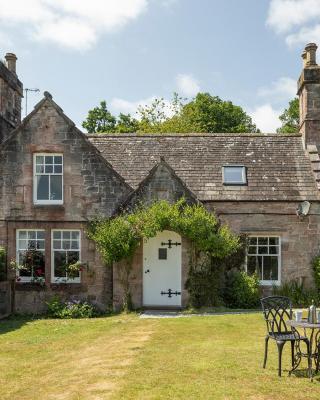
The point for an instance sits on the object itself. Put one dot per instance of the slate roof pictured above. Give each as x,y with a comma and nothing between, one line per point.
278,168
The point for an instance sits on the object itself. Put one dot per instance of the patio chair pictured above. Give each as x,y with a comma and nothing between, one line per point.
277,310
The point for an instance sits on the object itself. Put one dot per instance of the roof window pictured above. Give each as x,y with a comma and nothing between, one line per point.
234,175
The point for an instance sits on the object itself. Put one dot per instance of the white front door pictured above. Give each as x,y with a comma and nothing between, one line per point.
162,270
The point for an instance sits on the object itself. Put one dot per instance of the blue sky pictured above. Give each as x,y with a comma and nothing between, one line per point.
129,51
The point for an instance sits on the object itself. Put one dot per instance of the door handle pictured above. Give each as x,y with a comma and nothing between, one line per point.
147,271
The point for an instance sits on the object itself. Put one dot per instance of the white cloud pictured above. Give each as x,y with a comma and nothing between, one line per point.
119,105
283,89
266,118
296,19
304,35
187,85
69,23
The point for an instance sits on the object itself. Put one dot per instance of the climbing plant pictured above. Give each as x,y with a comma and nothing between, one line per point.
119,237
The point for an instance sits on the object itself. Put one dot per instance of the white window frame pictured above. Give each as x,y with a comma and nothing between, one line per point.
268,282
35,183
57,279
243,174
28,278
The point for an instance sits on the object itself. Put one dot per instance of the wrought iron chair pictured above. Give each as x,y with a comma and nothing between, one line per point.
277,310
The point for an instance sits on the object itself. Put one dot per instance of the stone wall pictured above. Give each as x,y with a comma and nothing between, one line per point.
5,299
91,188
300,242
11,92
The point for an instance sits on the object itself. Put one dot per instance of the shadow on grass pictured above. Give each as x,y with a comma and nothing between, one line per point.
303,373
14,322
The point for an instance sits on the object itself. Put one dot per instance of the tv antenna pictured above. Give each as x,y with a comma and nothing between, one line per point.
27,90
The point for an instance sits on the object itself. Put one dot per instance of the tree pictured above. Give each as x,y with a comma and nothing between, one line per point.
290,118
126,124
100,120
205,113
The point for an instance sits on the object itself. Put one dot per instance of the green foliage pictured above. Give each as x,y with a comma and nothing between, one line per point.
126,124
204,283
241,290
290,118
119,237
316,271
204,113
299,295
3,263
100,120
70,309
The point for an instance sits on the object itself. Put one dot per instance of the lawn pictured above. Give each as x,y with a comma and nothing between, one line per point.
125,357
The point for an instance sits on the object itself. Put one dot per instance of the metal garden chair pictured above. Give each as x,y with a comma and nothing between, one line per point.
277,310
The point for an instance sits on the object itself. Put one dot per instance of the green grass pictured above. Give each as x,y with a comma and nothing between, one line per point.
124,357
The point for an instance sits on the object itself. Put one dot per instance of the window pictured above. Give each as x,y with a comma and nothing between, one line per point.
31,255
264,259
65,251
48,178
234,175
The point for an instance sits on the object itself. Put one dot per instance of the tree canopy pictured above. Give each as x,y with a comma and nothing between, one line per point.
204,113
290,118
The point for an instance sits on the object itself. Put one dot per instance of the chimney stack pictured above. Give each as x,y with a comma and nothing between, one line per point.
11,62
309,97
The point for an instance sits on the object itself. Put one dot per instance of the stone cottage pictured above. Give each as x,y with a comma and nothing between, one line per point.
54,179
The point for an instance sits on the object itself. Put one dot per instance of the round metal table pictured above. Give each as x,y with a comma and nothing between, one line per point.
312,333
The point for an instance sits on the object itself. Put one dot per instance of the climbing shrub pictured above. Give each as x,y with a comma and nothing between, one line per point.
3,271
118,238
241,290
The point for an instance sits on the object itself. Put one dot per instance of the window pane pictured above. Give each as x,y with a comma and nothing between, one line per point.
39,159
262,250
23,244
40,244
66,235
56,235
263,240
66,244
252,250
59,263
75,244
49,159
73,257
56,187
57,244
58,169
40,234
75,235
273,250
42,187
233,174
32,244
254,265
270,268
253,240
49,169
22,234
40,169
32,234
273,241
58,159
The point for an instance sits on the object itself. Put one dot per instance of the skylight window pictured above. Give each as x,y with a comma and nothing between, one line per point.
234,175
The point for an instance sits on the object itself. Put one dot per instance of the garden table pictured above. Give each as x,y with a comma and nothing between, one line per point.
312,332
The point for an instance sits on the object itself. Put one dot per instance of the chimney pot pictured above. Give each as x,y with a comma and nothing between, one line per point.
304,58
11,62
311,49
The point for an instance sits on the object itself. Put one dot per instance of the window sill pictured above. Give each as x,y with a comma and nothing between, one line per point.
29,286
69,287
51,205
